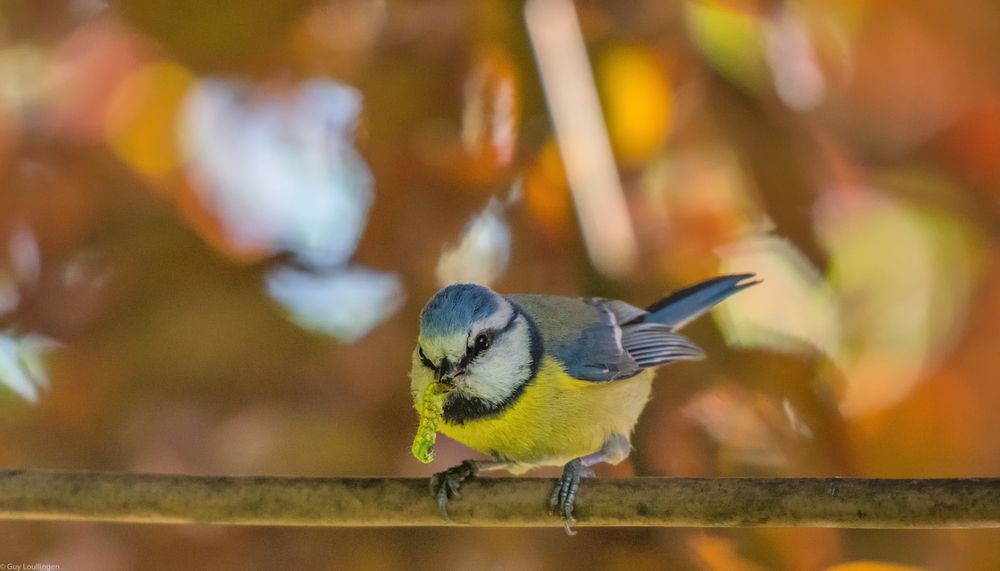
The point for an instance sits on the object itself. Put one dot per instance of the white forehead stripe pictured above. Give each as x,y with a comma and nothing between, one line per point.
496,320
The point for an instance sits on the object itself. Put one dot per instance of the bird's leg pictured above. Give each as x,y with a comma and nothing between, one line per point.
563,495
446,485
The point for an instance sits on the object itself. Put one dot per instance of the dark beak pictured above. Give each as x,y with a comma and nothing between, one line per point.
447,373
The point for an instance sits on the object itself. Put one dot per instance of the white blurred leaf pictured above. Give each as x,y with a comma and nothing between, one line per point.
483,252
905,275
900,281
798,80
793,310
22,365
344,302
281,174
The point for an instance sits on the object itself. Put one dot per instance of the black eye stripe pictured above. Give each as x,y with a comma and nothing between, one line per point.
492,336
475,350
424,360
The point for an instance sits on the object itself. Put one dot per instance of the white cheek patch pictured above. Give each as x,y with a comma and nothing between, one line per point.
497,373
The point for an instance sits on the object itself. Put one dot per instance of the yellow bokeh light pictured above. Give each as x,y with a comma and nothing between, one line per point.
637,99
142,121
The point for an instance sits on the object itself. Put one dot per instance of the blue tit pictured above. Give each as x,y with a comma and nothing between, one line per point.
542,380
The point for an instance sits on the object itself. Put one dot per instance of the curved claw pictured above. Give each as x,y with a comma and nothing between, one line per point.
445,485
563,496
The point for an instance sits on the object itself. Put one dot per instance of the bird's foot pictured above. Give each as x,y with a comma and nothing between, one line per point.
445,485
564,494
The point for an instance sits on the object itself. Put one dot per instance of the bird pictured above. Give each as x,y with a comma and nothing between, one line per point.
535,380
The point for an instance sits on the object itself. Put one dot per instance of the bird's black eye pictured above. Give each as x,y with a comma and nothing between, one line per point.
423,359
482,344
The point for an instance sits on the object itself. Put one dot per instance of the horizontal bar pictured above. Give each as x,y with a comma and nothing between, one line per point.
374,502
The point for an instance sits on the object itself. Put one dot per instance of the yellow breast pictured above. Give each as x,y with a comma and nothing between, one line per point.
558,418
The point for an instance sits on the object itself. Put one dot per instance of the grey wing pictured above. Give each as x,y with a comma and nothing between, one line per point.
582,335
602,340
649,344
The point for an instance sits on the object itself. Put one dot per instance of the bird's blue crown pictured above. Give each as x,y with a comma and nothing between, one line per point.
456,307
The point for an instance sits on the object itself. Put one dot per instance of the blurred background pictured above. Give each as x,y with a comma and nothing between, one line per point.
220,220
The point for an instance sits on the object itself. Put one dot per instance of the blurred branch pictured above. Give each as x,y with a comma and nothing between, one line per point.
715,502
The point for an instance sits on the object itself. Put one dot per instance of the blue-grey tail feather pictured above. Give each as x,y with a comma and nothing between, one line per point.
680,307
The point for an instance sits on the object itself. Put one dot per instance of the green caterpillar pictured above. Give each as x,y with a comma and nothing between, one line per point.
431,410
